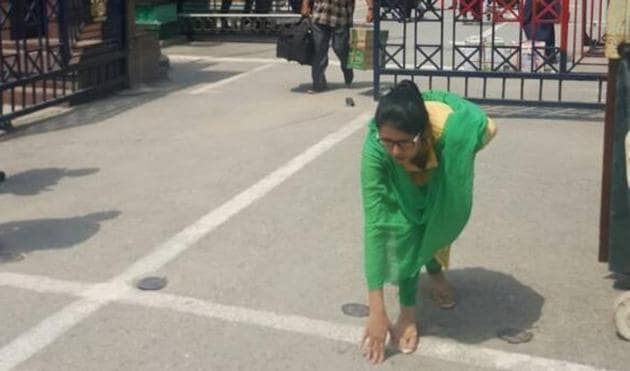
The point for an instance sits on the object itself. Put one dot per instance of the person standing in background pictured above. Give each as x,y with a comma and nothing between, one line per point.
539,21
331,20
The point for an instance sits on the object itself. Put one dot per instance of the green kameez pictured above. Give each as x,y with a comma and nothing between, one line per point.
406,224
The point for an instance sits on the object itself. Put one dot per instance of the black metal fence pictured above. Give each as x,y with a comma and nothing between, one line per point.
527,52
54,51
241,17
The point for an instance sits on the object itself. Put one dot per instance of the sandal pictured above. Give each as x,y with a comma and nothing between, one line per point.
443,295
444,300
410,336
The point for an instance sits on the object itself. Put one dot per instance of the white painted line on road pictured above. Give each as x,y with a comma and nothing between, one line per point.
210,59
430,347
44,333
446,350
271,61
240,315
42,284
189,236
488,32
207,87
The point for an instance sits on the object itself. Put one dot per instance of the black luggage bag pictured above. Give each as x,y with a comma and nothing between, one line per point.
295,42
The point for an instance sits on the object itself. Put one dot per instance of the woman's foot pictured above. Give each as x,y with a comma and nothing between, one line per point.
405,332
442,293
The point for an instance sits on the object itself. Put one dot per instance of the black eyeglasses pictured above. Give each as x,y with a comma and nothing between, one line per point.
404,145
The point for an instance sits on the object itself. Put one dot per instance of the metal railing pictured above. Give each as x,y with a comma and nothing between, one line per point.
249,18
54,51
507,52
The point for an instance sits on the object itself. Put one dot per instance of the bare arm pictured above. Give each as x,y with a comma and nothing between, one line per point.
378,325
374,192
491,132
377,304
370,11
305,11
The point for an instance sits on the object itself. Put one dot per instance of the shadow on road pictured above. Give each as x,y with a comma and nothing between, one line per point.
182,75
487,302
32,182
304,88
19,238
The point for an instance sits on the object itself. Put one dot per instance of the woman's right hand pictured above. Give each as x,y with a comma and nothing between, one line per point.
305,9
373,344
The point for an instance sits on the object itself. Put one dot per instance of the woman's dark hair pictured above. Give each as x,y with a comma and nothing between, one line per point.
402,108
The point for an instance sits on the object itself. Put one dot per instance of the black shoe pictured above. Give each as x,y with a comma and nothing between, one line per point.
2,176
587,39
348,76
318,88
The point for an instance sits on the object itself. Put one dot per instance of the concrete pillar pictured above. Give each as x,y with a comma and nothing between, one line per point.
143,64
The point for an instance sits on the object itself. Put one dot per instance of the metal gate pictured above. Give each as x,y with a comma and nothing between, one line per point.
237,17
513,52
54,51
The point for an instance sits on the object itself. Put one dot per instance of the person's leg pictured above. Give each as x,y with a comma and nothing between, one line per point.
442,292
405,332
225,6
341,46
550,46
247,8
321,38
407,8
262,6
433,267
295,6
477,10
464,8
407,291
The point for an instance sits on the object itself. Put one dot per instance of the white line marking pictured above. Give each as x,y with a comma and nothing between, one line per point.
43,334
488,32
240,315
42,284
336,63
431,347
210,59
207,87
184,239
447,350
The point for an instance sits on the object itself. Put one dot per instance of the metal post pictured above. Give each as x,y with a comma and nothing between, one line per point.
130,32
564,35
604,217
130,15
64,29
376,43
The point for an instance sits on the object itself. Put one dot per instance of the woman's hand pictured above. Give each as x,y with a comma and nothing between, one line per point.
305,10
373,344
369,18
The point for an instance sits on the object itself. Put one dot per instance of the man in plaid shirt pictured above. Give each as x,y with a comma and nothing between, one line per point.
331,19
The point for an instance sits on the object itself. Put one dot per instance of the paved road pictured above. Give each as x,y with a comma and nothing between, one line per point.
243,191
